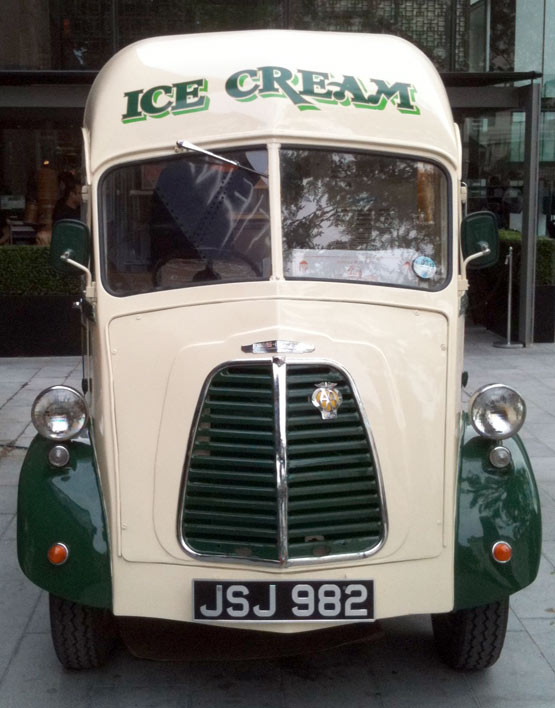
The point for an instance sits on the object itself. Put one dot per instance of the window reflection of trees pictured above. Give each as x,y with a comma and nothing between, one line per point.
363,202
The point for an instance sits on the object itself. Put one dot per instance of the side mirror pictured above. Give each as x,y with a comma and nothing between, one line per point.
480,239
70,239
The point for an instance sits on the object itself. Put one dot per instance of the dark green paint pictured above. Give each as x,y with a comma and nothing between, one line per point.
235,85
183,97
400,94
188,98
349,85
149,100
477,230
303,88
278,79
314,85
133,112
64,505
494,505
71,237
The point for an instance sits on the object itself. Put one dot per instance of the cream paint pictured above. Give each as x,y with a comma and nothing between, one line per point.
165,590
164,61
401,381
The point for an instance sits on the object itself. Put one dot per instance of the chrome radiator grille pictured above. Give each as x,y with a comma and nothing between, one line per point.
268,479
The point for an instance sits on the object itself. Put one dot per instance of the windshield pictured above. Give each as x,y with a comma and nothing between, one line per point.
354,216
185,221
195,219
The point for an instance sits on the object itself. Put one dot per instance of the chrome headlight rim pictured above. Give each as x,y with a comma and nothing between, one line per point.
72,432
513,429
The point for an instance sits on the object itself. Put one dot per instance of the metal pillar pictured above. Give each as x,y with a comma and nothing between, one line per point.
532,106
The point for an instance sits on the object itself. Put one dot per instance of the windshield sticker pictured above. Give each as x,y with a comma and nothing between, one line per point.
305,89
424,267
383,266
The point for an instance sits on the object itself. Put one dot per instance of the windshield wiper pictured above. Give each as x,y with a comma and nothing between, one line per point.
186,145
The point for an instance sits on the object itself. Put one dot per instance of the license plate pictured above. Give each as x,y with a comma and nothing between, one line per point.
284,601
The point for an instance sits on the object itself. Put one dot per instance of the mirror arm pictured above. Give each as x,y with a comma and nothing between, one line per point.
484,251
66,257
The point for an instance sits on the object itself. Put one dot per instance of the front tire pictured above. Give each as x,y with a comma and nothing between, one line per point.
83,636
471,639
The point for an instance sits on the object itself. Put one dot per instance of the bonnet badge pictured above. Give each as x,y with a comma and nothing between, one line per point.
327,399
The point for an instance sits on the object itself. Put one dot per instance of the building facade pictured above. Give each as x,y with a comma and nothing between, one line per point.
497,58
48,42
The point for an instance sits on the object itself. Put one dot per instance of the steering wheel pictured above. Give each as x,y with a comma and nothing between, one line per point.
205,268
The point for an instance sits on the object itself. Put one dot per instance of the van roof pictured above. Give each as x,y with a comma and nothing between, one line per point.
216,88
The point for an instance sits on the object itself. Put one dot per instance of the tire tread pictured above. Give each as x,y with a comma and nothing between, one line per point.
471,639
83,636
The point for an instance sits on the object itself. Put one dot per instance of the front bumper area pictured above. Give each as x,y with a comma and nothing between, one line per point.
165,591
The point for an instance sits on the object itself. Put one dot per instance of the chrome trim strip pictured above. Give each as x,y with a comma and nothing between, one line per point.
278,346
279,374
296,562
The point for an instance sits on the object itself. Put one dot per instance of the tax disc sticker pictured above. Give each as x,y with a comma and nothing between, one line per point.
424,267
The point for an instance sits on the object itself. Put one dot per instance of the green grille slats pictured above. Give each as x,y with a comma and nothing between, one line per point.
330,462
259,521
240,405
295,463
212,488
338,431
309,419
231,549
359,472
213,460
231,447
256,435
246,504
299,505
329,517
230,505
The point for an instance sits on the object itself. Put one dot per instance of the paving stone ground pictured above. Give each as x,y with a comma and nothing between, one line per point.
396,671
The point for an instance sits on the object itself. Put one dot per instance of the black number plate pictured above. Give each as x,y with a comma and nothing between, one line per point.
284,601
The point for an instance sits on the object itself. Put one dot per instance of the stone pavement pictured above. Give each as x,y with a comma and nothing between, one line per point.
399,670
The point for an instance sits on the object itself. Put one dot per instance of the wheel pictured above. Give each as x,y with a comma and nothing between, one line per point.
83,636
471,639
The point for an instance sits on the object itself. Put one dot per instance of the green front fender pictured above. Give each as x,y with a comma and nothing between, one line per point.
64,505
494,505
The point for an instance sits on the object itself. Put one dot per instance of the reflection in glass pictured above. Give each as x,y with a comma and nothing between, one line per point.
363,217
185,221
478,46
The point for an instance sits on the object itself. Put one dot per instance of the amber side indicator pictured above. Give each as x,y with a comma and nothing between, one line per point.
58,553
502,552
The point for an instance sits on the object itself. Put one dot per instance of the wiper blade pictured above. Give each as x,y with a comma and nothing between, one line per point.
186,145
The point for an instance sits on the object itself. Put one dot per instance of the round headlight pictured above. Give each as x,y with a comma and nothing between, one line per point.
497,411
59,413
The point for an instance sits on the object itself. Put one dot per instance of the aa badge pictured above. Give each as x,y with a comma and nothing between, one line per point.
327,399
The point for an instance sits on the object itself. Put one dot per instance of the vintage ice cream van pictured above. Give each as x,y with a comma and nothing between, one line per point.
270,436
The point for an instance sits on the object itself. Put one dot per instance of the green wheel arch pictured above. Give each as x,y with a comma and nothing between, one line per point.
494,505
64,505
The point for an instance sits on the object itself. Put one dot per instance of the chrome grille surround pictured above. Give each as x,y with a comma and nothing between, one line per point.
279,370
